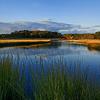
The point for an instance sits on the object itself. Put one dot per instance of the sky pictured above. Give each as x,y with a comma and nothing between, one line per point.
80,12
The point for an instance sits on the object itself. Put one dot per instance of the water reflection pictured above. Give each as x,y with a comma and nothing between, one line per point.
75,58
57,53
94,47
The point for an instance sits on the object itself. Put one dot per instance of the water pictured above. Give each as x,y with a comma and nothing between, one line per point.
57,54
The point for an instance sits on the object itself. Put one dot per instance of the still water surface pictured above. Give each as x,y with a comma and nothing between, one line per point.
60,53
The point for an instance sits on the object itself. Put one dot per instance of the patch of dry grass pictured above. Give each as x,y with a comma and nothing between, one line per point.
86,41
23,40
92,44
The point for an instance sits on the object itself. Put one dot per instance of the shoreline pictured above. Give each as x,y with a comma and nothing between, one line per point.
86,41
22,42
93,44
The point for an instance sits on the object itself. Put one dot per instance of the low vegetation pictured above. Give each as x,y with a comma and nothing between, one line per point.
25,37
82,36
90,40
92,44
55,83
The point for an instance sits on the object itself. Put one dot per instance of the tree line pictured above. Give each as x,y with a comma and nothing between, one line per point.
82,36
31,34
47,34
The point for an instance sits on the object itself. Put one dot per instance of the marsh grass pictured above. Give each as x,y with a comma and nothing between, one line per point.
54,83
23,42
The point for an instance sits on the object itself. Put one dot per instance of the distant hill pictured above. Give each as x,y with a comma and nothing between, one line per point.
6,28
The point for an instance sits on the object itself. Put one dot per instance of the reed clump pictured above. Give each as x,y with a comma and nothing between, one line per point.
54,83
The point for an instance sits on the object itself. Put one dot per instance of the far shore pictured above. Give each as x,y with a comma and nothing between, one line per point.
93,44
86,41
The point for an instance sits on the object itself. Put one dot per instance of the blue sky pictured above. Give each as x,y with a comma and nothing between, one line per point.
83,12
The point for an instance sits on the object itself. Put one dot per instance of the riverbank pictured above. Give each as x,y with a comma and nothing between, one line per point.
86,42
23,40
91,43
18,42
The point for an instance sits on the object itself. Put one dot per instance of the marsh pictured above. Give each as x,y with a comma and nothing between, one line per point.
61,67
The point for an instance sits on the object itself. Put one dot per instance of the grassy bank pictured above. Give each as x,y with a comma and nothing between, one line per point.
18,42
93,44
23,40
86,41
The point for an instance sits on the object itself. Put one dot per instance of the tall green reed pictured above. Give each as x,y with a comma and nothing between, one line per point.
55,82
